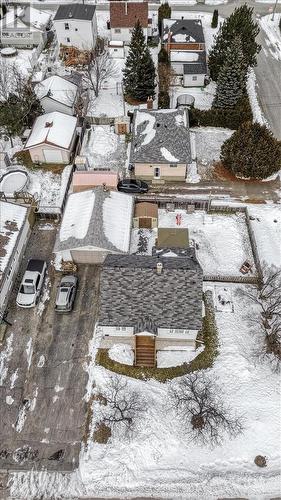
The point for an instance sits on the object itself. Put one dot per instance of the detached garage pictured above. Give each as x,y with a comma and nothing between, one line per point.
52,138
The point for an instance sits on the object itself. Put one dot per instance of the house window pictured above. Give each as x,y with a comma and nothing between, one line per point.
117,30
173,165
194,78
115,50
5,34
157,172
66,26
120,328
68,40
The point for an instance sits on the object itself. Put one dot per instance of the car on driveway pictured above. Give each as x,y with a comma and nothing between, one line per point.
66,293
132,186
32,282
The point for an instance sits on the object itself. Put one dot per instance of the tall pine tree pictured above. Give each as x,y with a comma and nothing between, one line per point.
164,12
239,23
231,82
139,71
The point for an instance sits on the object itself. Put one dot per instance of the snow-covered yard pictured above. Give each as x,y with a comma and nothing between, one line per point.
272,31
203,96
208,142
266,223
142,241
221,241
104,148
160,460
110,100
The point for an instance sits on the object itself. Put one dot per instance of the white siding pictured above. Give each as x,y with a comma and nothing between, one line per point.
81,34
167,333
190,81
123,34
115,331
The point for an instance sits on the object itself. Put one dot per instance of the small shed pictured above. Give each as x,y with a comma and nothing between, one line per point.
116,49
84,180
146,215
169,237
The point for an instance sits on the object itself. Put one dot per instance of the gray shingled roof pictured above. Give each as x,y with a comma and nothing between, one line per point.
133,294
196,68
80,11
155,131
190,28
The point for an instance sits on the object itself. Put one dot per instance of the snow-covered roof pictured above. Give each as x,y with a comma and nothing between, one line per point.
160,137
97,219
57,88
26,18
12,217
183,30
54,128
183,56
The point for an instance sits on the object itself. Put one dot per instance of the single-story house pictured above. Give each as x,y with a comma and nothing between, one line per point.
52,138
151,303
160,147
169,237
24,27
183,34
146,215
57,94
15,227
95,223
89,179
76,25
123,17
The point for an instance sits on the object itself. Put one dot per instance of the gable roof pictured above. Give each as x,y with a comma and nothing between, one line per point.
160,137
98,219
131,290
146,209
183,30
54,128
126,14
83,12
57,88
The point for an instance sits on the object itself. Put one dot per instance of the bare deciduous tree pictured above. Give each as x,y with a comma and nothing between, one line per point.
198,404
166,77
98,67
123,406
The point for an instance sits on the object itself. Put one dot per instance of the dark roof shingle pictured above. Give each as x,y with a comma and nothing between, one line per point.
183,30
80,11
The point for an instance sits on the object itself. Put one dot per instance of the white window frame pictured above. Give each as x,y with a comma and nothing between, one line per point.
194,78
117,30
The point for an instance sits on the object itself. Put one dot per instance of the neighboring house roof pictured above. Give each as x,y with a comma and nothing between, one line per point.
196,68
172,237
183,31
146,209
12,218
131,290
96,218
81,11
57,88
54,128
160,137
126,14
94,178
25,18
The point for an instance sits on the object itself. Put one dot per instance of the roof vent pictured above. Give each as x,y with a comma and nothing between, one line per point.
70,14
48,124
159,267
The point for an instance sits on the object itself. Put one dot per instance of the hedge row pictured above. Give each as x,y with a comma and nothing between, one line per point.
226,118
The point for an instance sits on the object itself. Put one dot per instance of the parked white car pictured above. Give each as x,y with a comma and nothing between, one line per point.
32,283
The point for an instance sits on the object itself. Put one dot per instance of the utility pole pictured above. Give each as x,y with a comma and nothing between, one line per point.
274,10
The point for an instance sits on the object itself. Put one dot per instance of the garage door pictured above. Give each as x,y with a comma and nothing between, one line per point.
53,155
145,222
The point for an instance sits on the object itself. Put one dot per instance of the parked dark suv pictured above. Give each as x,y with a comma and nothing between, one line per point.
132,186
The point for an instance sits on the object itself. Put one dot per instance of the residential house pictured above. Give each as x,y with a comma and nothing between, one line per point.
58,94
169,237
95,223
76,25
151,303
24,27
15,227
52,138
160,147
192,66
146,215
89,179
183,34
123,17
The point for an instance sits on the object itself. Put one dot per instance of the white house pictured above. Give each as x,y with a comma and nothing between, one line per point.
76,25
95,223
52,138
15,226
24,27
57,94
123,17
151,303
192,66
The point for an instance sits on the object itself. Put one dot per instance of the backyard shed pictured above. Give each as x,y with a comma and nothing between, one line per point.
169,237
146,215
84,180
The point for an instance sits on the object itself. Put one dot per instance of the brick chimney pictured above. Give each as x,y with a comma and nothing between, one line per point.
149,103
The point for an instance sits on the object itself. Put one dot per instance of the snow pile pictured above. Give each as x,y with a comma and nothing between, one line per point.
77,215
252,93
5,356
149,131
117,219
192,175
266,224
122,353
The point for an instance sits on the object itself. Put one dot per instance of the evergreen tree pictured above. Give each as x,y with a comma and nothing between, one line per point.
252,151
139,71
231,82
240,23
215,18
164,12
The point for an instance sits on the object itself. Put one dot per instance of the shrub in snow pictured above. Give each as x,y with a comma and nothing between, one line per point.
252,151
164,12
239,23
260,461
222,117
215,18
197,402
163,100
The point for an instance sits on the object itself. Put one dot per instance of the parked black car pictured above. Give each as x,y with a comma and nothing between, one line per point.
132,186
